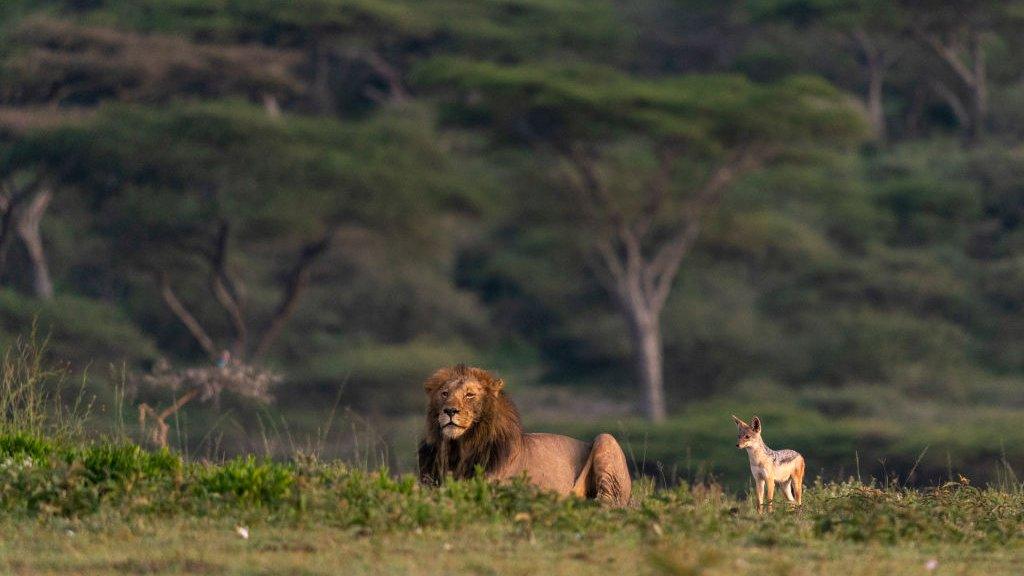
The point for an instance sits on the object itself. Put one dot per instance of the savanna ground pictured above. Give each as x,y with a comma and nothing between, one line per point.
76,500
850,529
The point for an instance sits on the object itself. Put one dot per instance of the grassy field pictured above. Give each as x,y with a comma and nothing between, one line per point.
212,547
112,508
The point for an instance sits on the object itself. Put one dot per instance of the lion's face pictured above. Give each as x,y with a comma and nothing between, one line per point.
458,399
460,403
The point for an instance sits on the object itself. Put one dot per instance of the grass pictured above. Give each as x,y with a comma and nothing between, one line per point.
114,509
928,446
213,547
73,504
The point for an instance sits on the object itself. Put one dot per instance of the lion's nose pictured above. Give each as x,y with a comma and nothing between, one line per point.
450,411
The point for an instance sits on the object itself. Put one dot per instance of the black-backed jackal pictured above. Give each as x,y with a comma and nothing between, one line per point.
770,466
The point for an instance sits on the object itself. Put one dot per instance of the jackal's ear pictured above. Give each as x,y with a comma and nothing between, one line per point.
739,423
755,424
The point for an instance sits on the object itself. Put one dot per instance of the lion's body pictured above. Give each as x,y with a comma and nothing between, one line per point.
486,432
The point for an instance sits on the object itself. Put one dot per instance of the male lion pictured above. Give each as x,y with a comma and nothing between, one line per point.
471,422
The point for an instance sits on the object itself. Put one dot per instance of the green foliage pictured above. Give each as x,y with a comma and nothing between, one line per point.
381,377
25,444
838,274
587,102
79,330
123,463
247,480
490,27
124,487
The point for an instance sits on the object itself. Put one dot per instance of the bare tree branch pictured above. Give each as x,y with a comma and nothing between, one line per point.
160,432
593,185
11,198
225,289
295,284
947,54
186,317
28,225
657,187
391,75
954,101
661,272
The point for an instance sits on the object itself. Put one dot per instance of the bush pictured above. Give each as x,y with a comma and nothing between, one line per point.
125,462
80,331
247,480
23,444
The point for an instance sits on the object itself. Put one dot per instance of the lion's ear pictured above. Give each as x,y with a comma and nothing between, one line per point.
497,385
436,380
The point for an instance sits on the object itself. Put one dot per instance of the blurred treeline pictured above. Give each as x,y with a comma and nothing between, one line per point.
354,192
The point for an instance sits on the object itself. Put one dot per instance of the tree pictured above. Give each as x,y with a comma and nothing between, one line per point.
245,204
359,53
24,198
645,163
62,63
874,29
958,34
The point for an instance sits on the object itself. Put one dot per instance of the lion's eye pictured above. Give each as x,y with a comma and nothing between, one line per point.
444,394
470,395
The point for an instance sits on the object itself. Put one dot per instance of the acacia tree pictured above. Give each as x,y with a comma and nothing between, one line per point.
646,163
959,35
359,53
872,29
227,211
24,198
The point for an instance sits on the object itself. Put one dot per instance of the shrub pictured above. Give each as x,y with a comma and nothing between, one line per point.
21,444
248,481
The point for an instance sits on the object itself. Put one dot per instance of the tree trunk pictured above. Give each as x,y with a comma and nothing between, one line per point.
979,92
28,229
972,76
6,226
323,100
876,64
876,105
645,332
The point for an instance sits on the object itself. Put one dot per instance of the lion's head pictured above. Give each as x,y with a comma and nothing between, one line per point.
470,422
459,396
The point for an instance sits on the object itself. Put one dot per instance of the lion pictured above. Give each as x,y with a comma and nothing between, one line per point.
471,422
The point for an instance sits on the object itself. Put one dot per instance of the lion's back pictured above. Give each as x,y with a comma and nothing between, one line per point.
553,461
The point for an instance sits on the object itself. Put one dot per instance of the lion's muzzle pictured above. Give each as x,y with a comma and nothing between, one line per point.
449,421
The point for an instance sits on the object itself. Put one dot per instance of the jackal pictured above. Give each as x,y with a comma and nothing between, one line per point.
770,466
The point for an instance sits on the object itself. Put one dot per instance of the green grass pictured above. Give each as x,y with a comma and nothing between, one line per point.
926,445
115,508
73,504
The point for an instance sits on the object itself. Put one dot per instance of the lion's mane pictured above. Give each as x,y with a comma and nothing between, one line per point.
493,440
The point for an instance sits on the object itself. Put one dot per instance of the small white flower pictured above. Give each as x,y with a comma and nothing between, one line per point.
447,547
931,565
242,531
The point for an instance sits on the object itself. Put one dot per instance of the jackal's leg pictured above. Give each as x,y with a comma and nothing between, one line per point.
770,488
787,488
760,494
609,480
798,481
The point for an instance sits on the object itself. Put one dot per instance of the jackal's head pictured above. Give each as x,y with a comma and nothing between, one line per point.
747,434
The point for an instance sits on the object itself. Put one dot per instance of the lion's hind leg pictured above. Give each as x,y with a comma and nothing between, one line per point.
609,480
